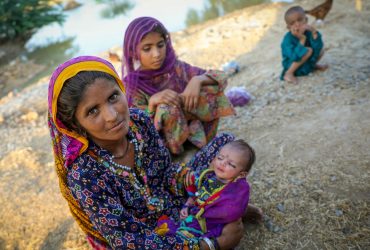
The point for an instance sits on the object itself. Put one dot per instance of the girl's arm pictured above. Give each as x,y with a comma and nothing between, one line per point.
149,103
196,78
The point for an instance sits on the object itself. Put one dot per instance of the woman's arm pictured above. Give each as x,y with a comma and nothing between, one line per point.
100,201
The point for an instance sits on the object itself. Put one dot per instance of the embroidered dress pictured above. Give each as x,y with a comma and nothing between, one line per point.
216,204
174,124
293,51
116,207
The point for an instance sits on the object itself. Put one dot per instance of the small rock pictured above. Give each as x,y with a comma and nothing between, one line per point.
296,181
346,230
338,212
280,207
270,225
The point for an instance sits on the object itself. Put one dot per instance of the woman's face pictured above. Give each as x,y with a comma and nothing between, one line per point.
103,111
152,51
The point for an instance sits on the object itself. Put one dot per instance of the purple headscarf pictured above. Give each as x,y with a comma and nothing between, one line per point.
142,79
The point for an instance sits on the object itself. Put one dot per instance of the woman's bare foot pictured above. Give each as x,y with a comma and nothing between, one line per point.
290,78
321,67
253,214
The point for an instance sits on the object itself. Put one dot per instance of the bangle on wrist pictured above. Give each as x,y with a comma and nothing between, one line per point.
209,243
215,243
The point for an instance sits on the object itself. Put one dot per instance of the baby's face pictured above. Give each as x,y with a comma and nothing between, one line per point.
229,163
296,21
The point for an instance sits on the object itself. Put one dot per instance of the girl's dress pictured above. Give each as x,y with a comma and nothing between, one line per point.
174,124
116,207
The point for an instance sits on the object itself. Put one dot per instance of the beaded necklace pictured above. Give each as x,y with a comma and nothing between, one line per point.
153,203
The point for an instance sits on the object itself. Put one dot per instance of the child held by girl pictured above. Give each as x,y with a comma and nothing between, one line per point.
302,46
185,102
217,195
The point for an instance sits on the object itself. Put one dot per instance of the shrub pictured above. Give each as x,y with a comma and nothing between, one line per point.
20,19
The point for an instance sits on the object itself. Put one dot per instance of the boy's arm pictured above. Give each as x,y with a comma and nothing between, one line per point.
292,49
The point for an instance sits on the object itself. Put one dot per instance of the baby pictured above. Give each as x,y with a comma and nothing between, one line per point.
217,195
302,46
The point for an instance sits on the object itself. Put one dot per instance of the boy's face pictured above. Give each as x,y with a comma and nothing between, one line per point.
295,21
229,163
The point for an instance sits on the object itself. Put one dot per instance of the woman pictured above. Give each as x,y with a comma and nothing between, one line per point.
185,102
113,168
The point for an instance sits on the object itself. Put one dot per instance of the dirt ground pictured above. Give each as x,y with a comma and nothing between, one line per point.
312,139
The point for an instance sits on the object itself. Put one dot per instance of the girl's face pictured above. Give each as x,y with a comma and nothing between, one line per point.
229,163
152,51
103,112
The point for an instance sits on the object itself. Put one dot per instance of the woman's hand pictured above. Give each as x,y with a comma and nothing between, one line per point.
190,96
166,96
231,235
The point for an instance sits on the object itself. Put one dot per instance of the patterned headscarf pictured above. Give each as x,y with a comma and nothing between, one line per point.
142,79
67,144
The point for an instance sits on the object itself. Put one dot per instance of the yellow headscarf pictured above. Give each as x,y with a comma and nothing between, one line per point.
67,144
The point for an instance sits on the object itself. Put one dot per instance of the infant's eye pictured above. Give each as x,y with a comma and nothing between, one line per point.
232,165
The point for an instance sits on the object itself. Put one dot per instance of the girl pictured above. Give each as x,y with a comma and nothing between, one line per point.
185,102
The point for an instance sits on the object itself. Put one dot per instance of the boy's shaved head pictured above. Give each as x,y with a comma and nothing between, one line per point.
293,9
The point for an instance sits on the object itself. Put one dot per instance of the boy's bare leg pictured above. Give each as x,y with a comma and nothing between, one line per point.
321,67
289,74
253,214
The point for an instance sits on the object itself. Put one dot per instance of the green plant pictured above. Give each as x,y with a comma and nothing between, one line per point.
20,19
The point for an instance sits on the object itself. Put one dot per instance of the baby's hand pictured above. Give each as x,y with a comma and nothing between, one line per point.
184,213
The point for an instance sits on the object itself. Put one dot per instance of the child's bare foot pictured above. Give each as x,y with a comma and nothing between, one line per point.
290,78
253,214
321,67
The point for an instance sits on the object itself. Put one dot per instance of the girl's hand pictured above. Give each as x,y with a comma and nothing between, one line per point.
184,212
190,96
231,235
166,96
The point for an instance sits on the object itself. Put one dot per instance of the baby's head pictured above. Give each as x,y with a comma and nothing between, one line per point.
234,159
294,17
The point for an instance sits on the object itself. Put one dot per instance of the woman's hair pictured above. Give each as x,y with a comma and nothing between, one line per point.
71,94
245,147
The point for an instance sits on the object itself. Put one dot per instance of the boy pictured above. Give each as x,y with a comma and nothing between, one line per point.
302,46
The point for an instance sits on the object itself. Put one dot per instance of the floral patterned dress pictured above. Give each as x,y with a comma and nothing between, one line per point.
118,206
174,124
